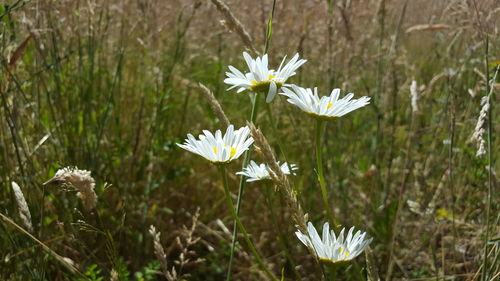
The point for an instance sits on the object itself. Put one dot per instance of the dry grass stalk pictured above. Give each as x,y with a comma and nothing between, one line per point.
428,211
114,275
82,181
480,74
280,180
431,207
159,251
479,131
215,105
17,54
67,262
433,82
22,206
428,27
414,96
185,241
372,274
234,24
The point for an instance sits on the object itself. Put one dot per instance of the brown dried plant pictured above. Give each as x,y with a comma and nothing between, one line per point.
215,105
233,24
81,181
22,206
187,257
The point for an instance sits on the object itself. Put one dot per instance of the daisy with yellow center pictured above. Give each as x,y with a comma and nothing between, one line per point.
331,248
217,148
326,107
261,79
255,172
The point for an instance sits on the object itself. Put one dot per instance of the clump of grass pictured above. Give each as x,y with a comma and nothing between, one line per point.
82,83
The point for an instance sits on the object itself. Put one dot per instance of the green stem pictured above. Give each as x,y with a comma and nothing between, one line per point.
321,176
246,159
222,170
269,29
283,238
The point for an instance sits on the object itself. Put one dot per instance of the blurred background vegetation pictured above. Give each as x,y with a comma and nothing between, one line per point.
111,86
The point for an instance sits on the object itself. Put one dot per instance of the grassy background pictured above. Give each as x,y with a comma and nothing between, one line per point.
110,86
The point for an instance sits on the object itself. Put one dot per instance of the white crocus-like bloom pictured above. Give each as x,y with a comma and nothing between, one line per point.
219,149
326,107
261,78
256,172
331,248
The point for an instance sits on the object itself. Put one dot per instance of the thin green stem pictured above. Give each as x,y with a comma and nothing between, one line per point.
269,29
319,166
241,188
490,96
282,237
227,193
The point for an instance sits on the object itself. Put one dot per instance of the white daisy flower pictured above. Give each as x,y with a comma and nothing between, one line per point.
218,149
261,78
256,172
326,107
331,248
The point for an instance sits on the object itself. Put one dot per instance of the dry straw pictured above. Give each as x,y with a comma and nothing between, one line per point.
280,180
234,24
414,96
478,135
159,251
185,241
215,105
82,181
428,27
479,130
23,210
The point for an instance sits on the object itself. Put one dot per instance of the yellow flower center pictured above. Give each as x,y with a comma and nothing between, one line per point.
263,86
329,105
233,152
346,253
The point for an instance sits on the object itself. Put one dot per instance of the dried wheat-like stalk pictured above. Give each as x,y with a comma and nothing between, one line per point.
67,262
234,24
433,82
428,27
215,105
280,180
114,275
414,96
478,135
159,251
82,181
432,204
185,241
22,206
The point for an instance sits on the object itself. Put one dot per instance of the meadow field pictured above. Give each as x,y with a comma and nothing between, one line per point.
100,181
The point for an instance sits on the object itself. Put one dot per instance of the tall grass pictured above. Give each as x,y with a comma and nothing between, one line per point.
111,86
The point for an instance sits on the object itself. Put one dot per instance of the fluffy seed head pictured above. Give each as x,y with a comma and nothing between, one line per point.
82,181
23,210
